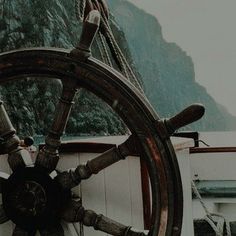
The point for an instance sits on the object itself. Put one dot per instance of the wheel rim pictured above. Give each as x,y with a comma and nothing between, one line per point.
131,106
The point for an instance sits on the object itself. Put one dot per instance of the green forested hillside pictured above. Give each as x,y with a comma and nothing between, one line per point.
167,72
30,104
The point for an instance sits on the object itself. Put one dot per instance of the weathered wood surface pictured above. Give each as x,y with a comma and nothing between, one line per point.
202,228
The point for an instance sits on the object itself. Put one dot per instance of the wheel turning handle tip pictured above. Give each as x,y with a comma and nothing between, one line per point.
90,28
93,17
189,115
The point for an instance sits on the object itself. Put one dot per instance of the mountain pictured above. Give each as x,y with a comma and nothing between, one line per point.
31,102
166,70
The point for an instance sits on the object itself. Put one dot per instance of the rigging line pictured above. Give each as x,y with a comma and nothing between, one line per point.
105,49
121,60
117,46
121,56
112,43
132,78
219,228
100,50
114,53
114,47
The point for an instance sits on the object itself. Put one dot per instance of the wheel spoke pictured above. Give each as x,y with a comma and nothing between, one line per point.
21,232
3,217
74,212
11,142
71,178
19,158
48,157
57,230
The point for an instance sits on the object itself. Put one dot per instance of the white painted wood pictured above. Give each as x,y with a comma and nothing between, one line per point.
184,165
70,229
6,229
223,206
219,139
198,211
116,192
105,139
118,197
213,166
93,193
228,210
136,193
68,161
181,143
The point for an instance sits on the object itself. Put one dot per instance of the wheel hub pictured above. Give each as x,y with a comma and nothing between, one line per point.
32,199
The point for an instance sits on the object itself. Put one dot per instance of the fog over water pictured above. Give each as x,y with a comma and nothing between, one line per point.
206,30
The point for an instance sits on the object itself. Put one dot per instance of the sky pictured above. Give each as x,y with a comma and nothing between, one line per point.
206,30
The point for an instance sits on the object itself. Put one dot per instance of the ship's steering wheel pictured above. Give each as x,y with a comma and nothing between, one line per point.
35,201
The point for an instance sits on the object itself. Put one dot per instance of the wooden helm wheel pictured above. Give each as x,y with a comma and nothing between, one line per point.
149,139
131,106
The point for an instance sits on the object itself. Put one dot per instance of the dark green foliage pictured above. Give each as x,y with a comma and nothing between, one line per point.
31,105
90,115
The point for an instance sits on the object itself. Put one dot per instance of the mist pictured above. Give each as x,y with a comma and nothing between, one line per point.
206,31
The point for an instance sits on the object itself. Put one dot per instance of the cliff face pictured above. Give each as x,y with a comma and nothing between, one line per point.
166,70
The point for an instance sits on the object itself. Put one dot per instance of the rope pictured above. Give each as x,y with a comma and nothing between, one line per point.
211,218
118,56
105,49
79,9
114,47
125,65
100,50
